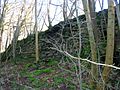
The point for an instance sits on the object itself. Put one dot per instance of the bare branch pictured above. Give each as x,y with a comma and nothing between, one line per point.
78,58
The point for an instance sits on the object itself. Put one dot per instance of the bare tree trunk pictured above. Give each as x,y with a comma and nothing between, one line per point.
48,11
2,14
117,32
36,34
93,19
118,12
65,4
94,68
17,31
15,38
0,31
110,44
9,32
16,34
80,45
110,40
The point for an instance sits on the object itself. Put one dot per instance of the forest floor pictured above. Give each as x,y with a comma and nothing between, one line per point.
25,75
52,75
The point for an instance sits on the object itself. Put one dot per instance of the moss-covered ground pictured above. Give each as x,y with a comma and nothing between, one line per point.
26,75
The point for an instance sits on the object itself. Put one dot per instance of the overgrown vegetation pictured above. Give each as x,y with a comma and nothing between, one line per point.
26,75
75,54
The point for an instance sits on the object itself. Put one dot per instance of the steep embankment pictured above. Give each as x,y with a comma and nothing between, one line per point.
65,36
55,75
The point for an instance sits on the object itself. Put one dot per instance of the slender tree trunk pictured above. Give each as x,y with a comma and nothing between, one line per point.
110,40
0,30
93,19
36,34
110,44
48,11
94,68
118,12
15,38
80,45
2,14
117,33
65,4
17,31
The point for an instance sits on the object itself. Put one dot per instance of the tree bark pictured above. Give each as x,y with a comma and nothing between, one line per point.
110,39
94,68
36,34
93,19
0,30
110,43
65,3
48,12
118,12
